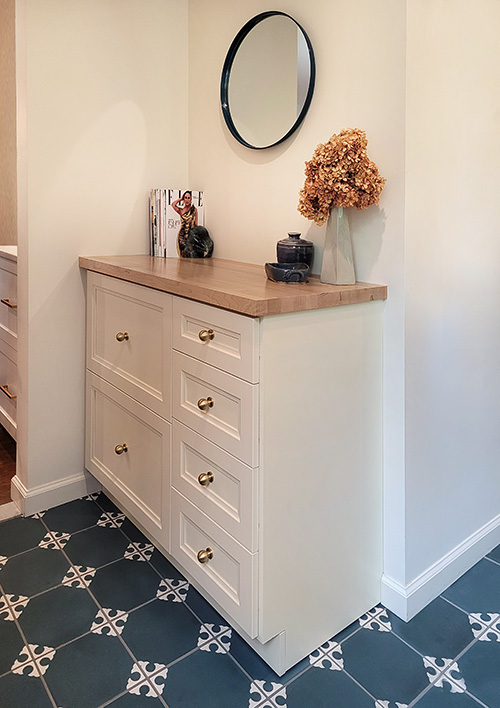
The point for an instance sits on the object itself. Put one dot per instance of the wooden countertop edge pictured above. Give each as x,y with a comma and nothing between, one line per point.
236,296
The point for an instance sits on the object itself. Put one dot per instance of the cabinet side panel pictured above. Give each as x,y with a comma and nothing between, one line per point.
321,472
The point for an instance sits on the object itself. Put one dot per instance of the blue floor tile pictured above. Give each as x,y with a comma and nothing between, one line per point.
11,643
96,546
478,589
73,516
21,692
440,629
256,667
125,584
17,535
495,554
434,698
480,667
33,572
326,688
384,665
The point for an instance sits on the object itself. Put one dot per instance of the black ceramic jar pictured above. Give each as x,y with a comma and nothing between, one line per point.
295,250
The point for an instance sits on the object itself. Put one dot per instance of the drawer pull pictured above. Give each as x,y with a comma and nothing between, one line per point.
120,449
121,336
7,302
205,556
204,404
10,395
206,479
206,335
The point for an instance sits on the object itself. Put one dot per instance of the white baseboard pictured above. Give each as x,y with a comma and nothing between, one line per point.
407,600
45,496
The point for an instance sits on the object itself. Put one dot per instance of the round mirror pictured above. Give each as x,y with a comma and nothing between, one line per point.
267,80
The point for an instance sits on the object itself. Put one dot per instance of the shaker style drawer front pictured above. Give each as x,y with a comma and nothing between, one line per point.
219,406
128,449
219,484
226,570
128,339
8,389
223,339
8,302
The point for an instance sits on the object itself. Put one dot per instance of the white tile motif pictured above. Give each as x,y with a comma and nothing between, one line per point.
91,497
54,540
3,561
267,695
11,606
485,626
79,576
376,619
111,519
440,671
33,660
388,704
142,674
39,514
215,640
139,551
327,656
109,622
173,590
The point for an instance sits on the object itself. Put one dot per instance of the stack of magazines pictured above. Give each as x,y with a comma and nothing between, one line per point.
173,212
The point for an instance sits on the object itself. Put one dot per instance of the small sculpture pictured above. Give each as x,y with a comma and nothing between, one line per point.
198,243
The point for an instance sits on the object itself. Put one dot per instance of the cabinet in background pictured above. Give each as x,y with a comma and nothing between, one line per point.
248,449
8,339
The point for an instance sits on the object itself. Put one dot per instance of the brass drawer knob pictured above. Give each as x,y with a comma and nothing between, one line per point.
205,556
206,335
204,404
120,449
206,479
121,336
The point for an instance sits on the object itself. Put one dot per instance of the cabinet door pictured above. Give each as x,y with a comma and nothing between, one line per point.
128,339
8,302
8,389
128,450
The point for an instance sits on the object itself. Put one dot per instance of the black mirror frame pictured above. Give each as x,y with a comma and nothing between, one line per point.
226,73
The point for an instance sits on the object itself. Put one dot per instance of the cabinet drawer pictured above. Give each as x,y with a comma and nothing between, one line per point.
135,476
8,302
231,422
219,484
139,364
8,390
217,337
230,576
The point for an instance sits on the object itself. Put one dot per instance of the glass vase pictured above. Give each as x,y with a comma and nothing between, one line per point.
337,266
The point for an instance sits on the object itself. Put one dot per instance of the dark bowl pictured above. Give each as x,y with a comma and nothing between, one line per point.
287,272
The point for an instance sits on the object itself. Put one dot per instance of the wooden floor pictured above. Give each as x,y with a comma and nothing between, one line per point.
7,464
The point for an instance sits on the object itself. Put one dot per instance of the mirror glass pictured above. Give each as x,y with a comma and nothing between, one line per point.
267,80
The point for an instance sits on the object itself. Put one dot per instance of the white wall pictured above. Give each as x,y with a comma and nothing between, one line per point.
452,276
103,117
251,196
8,171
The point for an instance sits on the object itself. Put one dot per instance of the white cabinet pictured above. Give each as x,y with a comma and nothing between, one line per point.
8,343
253,453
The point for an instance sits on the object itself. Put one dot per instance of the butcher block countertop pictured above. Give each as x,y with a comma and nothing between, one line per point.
235,286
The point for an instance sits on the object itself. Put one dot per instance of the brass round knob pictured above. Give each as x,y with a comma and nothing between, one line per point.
120,336
120,449
206,335
204,404
206,479
205,556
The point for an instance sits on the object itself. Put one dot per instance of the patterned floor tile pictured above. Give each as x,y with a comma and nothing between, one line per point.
21,692
11,644
33,572
58,616
206,680
495,554
326,689
172,590
480,667
105,503
161,631
12,607
125,585
444,673
130,700
88,672
202,608
18,535
96,546
440,629
147,679
255,667
385,666
485,626
164,567
267,694
109,622
73,516
441,699
33,660
477,590
133,533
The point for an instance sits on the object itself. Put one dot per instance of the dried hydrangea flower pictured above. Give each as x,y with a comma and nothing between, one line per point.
340,174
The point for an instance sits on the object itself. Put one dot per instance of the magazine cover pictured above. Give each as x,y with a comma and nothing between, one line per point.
173,213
